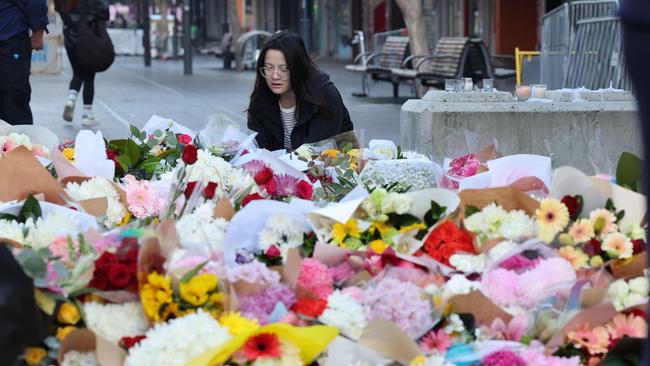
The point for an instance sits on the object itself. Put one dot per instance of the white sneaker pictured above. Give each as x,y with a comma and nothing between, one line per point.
88,120
68,111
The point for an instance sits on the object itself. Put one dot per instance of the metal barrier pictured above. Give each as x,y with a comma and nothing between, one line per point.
519,62
378,39
559,41
556,42
596,60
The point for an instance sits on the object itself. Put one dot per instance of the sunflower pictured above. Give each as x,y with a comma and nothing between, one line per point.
552,217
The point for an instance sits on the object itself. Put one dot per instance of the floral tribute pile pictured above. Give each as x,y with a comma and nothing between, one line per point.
169,250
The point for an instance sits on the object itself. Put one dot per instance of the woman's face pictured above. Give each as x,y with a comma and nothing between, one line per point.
276,72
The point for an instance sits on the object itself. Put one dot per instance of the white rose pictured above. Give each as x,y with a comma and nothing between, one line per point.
639,286
618,289
395,202
458,285
385,148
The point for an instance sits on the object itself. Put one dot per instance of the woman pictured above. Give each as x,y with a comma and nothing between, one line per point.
72,12
293,102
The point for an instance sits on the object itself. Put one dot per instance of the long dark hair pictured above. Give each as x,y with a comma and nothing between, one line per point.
302,71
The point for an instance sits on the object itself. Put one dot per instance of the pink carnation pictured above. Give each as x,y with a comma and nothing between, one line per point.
502,286
535,356
342,272
253,272
543,281
315,277
142,200
518,263
261,305
503,358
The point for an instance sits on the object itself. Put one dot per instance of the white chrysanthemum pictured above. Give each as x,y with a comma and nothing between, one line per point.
96,188
115,321
494,222
280,223
344,313
43,232
396,203
179,341
76,358
501,250
290,357
458,285
268,238
210,168
639,285
200,226
12,230
414,155
468,263
282,231
517,226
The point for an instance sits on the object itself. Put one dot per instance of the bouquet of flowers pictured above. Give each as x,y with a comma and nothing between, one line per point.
14,139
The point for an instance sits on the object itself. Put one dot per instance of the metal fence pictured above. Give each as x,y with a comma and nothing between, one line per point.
596,60
559,52
556,42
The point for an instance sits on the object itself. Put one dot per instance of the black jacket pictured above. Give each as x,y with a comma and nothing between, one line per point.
635,11
96,10
313,124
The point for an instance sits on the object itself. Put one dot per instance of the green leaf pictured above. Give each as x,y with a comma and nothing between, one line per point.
189,275
471,210
149,165
157,134
609,205
9,217
132,151
118,145
402,220
83,291
143,136
32,264
171,140
434,214
125,162
31,209
629,170
135,132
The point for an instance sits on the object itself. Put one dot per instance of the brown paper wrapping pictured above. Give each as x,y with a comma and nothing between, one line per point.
224,209
630,268
477,304
62,166
390,341
22,174
95,206
592,297
85,340
330,255
507,197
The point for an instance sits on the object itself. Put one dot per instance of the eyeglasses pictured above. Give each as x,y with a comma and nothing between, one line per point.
269,72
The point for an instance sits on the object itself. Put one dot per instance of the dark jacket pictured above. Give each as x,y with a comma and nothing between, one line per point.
96,10
17,16
635,11
313,124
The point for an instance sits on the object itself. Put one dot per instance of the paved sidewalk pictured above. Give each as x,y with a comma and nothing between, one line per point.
129,93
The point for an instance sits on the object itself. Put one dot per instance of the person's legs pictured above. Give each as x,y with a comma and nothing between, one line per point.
15,91
75,85
88,96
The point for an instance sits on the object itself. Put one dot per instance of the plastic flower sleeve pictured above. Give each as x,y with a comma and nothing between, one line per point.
400,175
162,124
227,137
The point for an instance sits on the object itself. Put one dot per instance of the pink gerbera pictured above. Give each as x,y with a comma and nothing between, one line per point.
594,340
629,325
435,341
141,199
8,146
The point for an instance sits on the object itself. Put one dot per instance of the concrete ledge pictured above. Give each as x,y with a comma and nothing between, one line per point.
588,135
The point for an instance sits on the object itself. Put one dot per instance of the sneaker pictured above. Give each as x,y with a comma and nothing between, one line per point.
68,111
88,120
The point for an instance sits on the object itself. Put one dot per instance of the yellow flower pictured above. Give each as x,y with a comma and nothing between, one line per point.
156,293
418,226
68,153
238,324
577,257
582,231
596,261
419,361
552,217
68,314
354,153
378,246
63,332
332,153
382,226
197,290
342,231
34,355
125,219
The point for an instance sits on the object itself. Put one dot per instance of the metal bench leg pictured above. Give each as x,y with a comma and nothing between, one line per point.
395,89
364,92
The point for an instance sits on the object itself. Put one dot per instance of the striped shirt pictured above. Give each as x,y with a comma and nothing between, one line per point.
289,122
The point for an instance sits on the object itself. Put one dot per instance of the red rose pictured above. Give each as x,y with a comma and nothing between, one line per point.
309,307
210,190
251,197
593,247
189,190
112,155
273,252
107,259
263,176
119,276
128,342
305,190
574,204
99,282
639,246
185,139
190,153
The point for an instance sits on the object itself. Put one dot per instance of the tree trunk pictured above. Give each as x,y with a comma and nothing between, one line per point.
418,40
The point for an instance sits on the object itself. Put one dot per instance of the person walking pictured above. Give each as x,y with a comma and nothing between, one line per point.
293,102
17,18
73,12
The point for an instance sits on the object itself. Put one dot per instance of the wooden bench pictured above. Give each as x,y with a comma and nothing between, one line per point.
379,65
454,58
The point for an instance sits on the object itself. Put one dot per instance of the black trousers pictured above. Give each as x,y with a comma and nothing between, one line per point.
636,38
81,76
15,91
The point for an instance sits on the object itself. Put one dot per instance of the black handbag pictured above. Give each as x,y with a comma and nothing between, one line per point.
94,48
